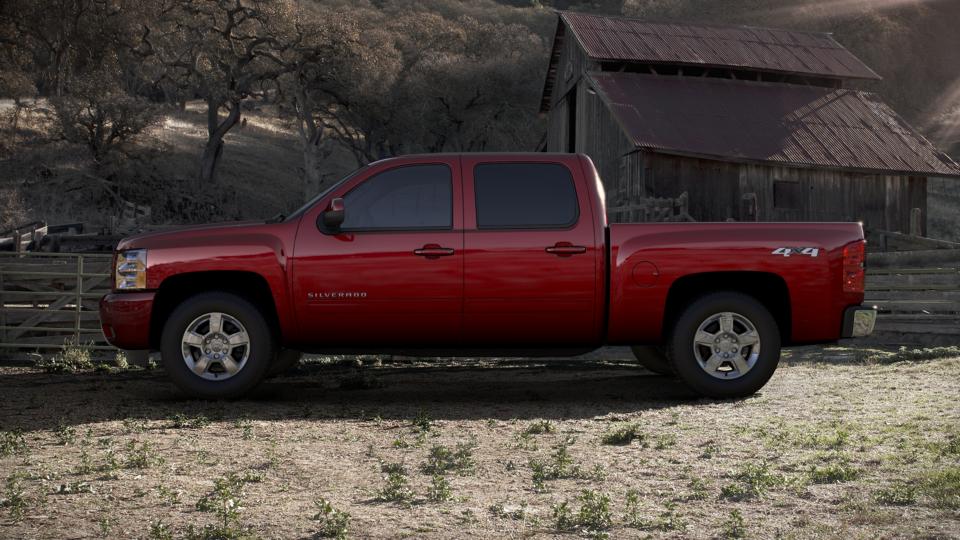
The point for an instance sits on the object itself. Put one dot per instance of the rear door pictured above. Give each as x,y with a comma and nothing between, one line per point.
393,274
530,254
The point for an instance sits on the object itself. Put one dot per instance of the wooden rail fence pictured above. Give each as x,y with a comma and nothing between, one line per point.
918,296
47,299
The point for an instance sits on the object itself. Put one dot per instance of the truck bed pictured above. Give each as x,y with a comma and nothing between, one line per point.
649,263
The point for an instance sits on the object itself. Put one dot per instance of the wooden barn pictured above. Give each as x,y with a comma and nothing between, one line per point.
753,124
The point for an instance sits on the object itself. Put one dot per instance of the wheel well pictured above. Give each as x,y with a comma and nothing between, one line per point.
768,289
175,289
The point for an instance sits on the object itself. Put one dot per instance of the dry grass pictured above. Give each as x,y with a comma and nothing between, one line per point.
833,447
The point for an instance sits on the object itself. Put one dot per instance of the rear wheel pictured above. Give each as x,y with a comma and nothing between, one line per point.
652,358
216,345
725,345
284,362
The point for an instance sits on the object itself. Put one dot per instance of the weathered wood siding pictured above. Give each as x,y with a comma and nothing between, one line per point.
717,190
557,127
573,64
600,137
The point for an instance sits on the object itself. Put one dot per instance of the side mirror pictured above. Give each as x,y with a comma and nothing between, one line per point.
334,215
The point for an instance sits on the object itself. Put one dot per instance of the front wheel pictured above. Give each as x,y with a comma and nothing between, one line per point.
216,346
652,358
725,345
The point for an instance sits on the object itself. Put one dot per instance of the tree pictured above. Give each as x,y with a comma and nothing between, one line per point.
446,76
97,113
222,51
325,45
15,85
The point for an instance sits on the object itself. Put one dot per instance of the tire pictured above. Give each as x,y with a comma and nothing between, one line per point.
747,367
652,358
284,362
241,367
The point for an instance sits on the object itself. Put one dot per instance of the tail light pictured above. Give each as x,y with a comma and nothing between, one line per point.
854,256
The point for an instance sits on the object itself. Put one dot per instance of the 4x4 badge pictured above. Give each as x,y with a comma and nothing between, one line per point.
788,251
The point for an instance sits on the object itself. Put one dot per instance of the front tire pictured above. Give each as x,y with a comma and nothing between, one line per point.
725,345
216,346
652,358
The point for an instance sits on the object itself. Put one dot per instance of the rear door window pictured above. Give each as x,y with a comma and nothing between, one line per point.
525,196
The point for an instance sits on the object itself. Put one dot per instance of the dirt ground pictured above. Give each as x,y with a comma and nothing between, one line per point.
833,447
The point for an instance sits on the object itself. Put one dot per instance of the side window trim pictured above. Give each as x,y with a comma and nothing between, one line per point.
449,227
575,221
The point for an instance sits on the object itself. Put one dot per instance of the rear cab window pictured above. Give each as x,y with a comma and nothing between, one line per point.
525,196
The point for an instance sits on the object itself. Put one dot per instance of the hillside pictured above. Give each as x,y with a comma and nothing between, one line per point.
911,43
260,175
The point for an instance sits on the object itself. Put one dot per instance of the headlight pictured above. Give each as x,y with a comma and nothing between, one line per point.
131,271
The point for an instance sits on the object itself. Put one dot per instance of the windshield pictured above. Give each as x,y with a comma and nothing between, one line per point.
309,204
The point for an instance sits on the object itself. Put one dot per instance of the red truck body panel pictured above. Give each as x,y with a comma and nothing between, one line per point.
648,259
370,287
498,288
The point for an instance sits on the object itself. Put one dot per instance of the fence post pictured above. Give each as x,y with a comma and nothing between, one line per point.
3,311
76,325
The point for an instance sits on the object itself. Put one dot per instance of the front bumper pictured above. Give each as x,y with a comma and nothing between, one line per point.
125,319
858,321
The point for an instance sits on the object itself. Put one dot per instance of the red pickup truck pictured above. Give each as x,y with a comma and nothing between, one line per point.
483,254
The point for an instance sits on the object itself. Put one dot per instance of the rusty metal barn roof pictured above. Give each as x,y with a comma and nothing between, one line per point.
745,121
766,49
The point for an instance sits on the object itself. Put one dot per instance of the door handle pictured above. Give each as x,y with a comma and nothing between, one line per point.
565,249
433,251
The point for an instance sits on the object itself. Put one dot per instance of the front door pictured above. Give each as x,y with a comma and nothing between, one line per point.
393,273
531,255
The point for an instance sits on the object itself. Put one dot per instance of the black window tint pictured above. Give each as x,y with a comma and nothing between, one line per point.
415,197
524,196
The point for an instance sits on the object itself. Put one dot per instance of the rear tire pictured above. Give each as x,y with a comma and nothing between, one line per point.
725,345
285,361
652,358
227,327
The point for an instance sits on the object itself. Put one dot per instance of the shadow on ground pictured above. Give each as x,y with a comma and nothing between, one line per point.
445,390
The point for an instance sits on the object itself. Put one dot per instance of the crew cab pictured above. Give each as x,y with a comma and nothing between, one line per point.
483,254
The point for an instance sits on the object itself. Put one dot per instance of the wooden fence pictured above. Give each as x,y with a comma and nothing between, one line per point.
918,296
17,240
47,299
651,210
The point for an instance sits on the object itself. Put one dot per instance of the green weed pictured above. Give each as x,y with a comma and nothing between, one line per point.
540,427
396,487
333,523
65,433
443,459
141,456
71,358
734,527
838,470
182,421
897,495
14,498
943,487
593,518
12,443
623,434
439,490
753,481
